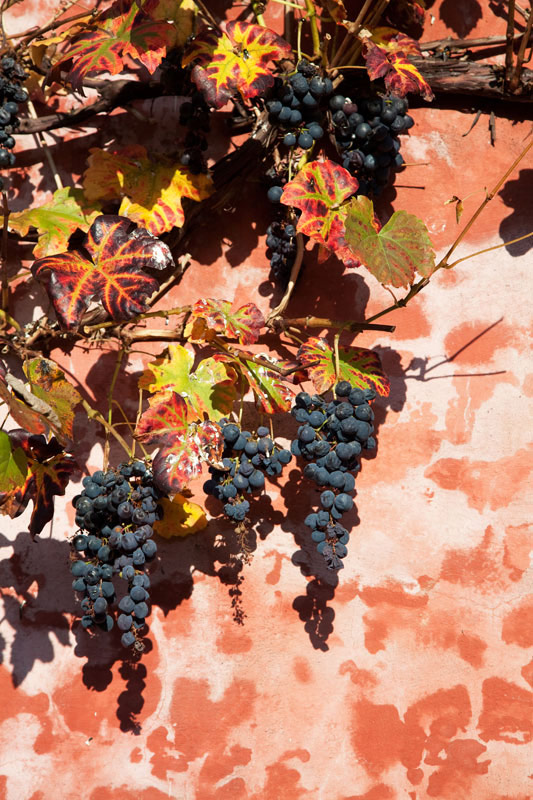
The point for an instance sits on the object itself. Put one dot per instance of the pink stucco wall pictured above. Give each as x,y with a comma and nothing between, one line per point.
409,676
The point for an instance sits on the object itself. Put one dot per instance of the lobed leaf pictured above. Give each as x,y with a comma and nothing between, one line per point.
183,446
235,61
356,364
181,517
109,268
389,61
49,471
207,390
56,220
180,13
152,188
48,382
209,317
396,252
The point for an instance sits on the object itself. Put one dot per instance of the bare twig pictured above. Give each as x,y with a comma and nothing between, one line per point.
509,37
55,22
515,80
282,323
466,44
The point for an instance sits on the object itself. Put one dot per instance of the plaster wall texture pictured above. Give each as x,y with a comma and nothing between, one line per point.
409,676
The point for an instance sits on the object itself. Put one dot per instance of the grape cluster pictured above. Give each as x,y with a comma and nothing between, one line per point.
115,512
366,134
194,114
246,459
331,438
296,105
11,94
281,244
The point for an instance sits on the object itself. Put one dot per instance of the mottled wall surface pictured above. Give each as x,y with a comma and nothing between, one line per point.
411,676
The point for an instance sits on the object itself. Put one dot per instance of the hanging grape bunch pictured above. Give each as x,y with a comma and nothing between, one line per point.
194,114
11,94
115,512
366,134
246,459
331,437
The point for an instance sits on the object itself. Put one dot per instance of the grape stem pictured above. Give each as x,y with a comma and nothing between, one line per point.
295,271
311,13
92,413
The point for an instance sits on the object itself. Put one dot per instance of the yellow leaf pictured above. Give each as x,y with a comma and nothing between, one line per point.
181,518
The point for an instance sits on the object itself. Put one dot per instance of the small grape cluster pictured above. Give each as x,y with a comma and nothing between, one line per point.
331,438
281,244
115,512
194,114
366,133
296,105
11,94
246,459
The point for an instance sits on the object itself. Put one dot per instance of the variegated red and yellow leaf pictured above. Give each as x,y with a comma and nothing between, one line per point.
49,471
320,190
210,317
396,252
120,31
183,446
272,393
390,62
152,188
356,364
234,61
48,382
56,220
109,268
208,390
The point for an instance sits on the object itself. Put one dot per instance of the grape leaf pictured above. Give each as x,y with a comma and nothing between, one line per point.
180,13
207,390
271,393
394,253
56,220
49,471
109,268
152,188
209,317
320,190
234,61
183,446
120,31
13,465
389,60
31,419
356,364
181,517
48,382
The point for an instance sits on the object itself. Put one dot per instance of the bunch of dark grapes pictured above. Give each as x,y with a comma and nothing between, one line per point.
194,114
246,459
115,512
281,244
11,94
331,438
366,133
299,104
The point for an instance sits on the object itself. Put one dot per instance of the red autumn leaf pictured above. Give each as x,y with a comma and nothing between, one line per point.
356,364
394,253
390,62
236,60
120,31
109,268
183,446
49,471
209,317
320,190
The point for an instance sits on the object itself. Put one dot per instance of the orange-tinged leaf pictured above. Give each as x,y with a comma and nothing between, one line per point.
356,364
181,517
235,61
180,13
390,62
25,416
320,190
183,446
209,317
49,383
108,268
396,252
56,220
120,31
152,188
206,390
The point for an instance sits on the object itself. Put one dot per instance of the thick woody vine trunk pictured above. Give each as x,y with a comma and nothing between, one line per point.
472,78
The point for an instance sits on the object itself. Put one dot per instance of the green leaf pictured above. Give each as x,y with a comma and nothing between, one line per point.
356,364
207,390
13,465
48,382
56,220
396,252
